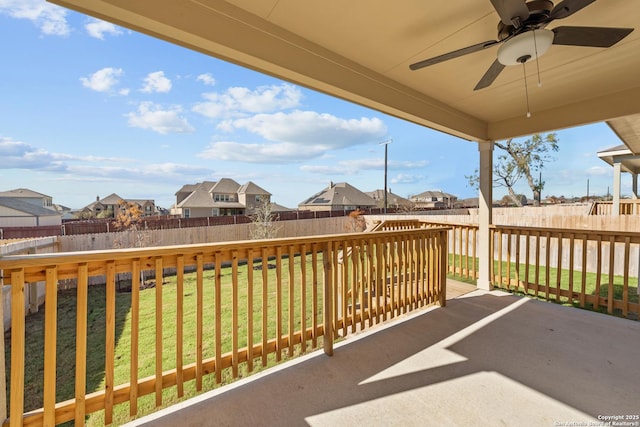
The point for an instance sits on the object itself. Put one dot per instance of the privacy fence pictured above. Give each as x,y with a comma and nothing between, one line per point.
75,227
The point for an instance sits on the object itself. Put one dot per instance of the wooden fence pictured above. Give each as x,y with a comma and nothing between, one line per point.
262,299
627,207
95,226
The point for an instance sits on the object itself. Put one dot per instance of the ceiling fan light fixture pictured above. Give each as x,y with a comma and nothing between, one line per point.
527,45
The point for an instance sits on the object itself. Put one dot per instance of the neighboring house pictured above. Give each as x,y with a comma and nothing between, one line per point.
30,196
64,211
341,196
16,212
106,207
393,200
219,198
434,199
471,202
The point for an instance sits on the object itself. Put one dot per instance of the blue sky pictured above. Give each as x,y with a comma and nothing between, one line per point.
88,109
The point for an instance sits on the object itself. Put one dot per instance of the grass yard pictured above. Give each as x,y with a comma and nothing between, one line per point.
591,281
34,363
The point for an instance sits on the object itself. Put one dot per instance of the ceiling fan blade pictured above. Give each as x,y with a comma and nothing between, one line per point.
589,36
454,54
568,7
508,10
491,74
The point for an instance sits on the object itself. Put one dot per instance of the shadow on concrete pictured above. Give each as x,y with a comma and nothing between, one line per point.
485,359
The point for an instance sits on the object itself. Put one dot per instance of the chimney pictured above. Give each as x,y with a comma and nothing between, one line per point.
97,198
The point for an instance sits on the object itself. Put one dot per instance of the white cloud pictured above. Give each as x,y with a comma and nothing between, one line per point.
351,167
240,100
259,153
97,28
156,82
102,80
163,121
153,171
206,79
310,127
296,136
403,178
599,170
20,155
49,18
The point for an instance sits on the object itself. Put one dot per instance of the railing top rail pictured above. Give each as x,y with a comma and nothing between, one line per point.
619,235
19,261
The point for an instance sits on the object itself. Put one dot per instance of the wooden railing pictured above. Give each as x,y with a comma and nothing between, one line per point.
597,270
216,309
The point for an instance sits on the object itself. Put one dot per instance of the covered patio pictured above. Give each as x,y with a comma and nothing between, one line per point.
487,359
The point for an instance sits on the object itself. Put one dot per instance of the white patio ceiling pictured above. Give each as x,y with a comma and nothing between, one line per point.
360,50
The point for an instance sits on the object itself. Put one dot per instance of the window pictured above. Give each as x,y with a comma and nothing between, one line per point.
258,198
187,212
221,198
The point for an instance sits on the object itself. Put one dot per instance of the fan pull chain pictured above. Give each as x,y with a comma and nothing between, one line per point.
535,46
526,89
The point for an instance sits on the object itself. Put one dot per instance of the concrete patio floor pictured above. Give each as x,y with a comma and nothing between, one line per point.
486,359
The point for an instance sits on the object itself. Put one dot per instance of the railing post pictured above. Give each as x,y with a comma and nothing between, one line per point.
3,376
442,259
327,309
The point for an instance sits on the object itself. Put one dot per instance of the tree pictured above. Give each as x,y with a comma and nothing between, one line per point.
263,221
521,159
129,218
355,222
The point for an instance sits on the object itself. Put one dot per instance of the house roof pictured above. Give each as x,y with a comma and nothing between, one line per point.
22,192
225,186
187,188
279,208
199,198
340,194
391,197
251,188
433,193
111,199
26,207
361,51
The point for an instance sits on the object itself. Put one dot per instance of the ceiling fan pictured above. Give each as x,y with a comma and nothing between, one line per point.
523,37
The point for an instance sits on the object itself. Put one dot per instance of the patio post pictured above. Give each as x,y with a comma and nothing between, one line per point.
617,171
485,202
634,192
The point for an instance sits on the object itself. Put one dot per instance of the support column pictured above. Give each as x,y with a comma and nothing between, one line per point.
634,192
617,172
485,219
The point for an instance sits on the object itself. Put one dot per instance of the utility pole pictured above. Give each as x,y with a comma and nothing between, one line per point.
386,145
